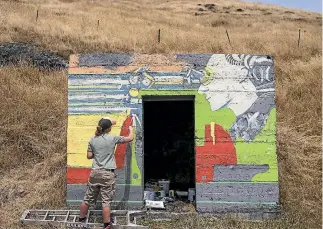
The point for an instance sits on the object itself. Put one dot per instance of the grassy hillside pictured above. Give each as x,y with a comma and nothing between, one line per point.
33,114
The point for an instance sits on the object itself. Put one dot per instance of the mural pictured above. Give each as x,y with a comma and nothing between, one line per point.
235,121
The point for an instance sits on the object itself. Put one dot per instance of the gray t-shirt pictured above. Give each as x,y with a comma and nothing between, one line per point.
103,149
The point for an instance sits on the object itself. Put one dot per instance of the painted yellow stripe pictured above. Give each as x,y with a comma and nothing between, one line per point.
148,76
80,130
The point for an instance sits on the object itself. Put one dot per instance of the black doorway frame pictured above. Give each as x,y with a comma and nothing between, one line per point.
161,98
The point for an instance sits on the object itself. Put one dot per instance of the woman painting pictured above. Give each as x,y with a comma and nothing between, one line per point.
102,177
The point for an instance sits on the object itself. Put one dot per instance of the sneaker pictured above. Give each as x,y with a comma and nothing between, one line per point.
82,220
108,227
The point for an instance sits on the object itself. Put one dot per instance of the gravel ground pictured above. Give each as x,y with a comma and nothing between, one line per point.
18,54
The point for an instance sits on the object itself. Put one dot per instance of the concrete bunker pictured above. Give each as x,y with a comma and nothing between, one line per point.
234,124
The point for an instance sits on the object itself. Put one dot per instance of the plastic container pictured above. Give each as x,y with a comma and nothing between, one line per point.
181,193
148,195
164,184
161,193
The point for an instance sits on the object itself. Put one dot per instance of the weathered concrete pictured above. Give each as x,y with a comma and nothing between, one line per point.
235,123
237,172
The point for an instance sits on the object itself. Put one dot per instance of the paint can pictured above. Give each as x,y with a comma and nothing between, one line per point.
191,194
164,184
161,193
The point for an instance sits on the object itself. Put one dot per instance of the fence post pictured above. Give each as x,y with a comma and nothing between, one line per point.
228,37
299,37
159,36
37,16
97,28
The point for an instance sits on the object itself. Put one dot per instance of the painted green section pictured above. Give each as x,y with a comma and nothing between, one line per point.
262,150
242,182
203,114
261,153
134,165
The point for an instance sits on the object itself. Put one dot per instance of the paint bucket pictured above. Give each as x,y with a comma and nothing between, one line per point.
161,193
181,193
191,194
148,195
164,184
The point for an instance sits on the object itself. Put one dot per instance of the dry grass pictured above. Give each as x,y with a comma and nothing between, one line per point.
32,141
33,112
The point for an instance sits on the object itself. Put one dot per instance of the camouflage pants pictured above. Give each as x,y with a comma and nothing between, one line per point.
103,182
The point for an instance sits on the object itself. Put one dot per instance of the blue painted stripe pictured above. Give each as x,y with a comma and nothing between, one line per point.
110,104
92,91
122,76
108,111
167,86
125,89
106,106
89,100
125,75
111,91
167,74
75,113
114,96
94,88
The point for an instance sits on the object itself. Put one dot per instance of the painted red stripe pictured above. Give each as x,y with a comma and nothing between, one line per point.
78,175
121,149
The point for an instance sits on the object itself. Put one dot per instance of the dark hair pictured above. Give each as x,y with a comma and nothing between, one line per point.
103,125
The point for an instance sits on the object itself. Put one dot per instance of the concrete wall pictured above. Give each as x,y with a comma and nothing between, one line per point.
235,120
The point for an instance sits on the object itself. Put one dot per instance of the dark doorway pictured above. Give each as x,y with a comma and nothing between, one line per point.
169,144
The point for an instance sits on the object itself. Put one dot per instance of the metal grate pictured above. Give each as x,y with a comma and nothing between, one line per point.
69,218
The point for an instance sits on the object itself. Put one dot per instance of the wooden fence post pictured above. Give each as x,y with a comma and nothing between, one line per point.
299,37
228,37
37,16
159,36
97,28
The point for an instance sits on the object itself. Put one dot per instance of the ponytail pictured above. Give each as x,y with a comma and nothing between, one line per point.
104,125
98,131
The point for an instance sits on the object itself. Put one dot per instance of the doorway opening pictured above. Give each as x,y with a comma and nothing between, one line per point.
169,141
